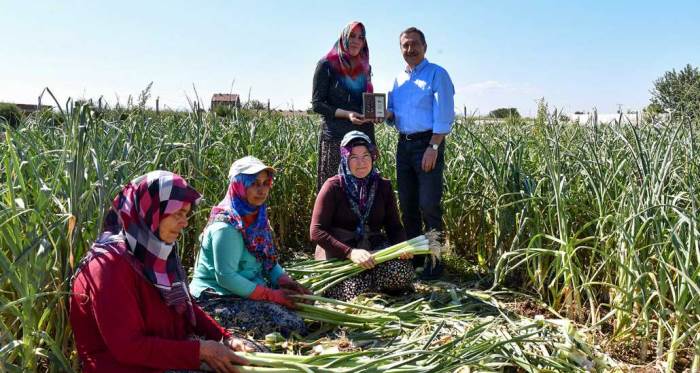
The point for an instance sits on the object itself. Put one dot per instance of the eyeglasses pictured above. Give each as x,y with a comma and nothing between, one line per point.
360,158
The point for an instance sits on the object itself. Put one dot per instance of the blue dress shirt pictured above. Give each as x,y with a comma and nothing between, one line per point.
422,99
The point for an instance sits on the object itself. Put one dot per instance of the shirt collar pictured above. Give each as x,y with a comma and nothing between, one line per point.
418,67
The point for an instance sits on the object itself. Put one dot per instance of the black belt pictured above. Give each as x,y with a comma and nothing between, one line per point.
415,136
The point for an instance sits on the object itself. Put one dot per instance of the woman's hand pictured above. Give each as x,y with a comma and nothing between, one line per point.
354,117
357,118
363,258
280,296
286,282
284,297
237,344
219,357
406,256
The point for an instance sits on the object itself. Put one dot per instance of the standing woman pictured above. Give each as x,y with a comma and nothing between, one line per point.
340,78
237,278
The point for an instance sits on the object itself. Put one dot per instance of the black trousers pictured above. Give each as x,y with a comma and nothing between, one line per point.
420,192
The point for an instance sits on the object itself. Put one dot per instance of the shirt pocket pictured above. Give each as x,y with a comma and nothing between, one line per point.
424,98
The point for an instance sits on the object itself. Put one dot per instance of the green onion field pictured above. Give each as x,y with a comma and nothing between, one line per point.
570,246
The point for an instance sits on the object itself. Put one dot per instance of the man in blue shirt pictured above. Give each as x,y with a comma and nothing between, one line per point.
421,106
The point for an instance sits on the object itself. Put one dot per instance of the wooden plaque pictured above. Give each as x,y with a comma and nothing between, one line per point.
374,105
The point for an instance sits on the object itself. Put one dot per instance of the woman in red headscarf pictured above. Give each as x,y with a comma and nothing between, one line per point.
340,79
130,309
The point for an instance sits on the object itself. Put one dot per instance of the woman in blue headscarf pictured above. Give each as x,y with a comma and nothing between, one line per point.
237,278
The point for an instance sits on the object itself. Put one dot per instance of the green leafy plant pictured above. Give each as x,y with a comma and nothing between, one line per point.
678,92
10,114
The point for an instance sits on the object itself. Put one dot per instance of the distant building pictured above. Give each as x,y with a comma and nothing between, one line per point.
29,108
225,99
630,117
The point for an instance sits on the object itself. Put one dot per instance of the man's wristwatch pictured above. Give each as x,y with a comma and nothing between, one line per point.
435,146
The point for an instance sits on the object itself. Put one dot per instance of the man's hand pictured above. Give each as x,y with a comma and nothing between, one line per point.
429,159
220,357
388,118
363,258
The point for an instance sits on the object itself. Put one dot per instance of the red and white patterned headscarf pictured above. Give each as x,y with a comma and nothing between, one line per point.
131,228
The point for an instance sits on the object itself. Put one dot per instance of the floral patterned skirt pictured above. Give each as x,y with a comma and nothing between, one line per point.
328,161
245,316
392,277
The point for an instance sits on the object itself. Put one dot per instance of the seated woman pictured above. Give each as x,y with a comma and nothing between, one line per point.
130,309
237,278
350,212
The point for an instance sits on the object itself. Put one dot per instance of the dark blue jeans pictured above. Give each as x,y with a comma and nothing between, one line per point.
420,192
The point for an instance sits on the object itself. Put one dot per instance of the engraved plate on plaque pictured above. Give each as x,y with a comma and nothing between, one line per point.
374,105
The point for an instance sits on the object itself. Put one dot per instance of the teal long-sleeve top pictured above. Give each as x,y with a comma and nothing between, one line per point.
226,266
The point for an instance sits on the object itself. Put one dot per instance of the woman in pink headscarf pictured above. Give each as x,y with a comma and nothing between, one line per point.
130,308
340,79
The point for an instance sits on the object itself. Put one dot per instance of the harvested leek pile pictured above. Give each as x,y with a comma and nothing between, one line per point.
321,275
443,329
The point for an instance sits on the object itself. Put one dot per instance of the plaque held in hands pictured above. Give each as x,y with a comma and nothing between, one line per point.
374,105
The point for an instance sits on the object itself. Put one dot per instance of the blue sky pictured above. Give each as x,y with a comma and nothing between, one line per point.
577,55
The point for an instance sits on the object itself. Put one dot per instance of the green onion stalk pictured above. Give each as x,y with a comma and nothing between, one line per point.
319,276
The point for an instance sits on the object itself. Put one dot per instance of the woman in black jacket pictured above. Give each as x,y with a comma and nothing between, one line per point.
341,77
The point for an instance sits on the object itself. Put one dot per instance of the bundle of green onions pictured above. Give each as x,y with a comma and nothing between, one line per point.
359,316
318,276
